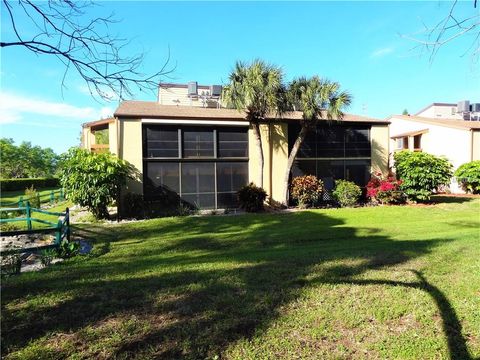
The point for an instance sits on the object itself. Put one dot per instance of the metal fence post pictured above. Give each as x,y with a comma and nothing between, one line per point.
29,216
52,197
58,233
67,215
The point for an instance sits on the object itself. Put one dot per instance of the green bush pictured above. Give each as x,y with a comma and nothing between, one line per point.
11,264
32,196
22,184
68,249
468,176
346,193
307,190
251,198
94,180
421,173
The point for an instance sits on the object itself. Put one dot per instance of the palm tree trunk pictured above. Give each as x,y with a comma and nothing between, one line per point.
291,159
258,145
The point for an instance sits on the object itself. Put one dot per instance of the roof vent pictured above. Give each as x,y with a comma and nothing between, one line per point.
216,90
192,88
463,106
475,107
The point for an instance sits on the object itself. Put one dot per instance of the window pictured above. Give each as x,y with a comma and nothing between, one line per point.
198,184
198,143
162,142
232,142
417,142
401,143
333,152
231,176
203,166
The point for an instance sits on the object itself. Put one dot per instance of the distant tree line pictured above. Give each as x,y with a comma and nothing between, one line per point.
27,161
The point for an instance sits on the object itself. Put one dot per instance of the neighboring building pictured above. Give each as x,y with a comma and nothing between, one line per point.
456,139
203,153
463,110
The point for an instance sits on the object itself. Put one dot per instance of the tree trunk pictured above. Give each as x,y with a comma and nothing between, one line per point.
258,145
291,159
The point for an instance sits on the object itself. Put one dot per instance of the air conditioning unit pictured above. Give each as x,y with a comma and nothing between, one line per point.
463,106
192,88
215,90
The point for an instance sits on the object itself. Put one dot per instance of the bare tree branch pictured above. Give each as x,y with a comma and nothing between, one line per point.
449,28
63,30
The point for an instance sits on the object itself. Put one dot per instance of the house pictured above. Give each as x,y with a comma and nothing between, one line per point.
188,146
440,129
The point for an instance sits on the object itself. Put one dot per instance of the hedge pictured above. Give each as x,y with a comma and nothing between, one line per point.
22,184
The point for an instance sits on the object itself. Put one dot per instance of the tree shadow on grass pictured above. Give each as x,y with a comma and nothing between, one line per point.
213,281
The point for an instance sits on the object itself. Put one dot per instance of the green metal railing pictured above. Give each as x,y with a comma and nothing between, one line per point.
54,195
61,229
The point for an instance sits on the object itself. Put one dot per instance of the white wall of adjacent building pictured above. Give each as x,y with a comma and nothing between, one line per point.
453,143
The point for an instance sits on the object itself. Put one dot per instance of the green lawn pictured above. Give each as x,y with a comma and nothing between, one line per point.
8,197
377,283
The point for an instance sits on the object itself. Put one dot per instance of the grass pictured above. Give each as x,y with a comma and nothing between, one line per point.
377,283
8,197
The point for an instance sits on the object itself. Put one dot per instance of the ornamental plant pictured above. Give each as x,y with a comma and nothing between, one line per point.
468,176
385,190
421,173
346,193
306,189
94,180
251,198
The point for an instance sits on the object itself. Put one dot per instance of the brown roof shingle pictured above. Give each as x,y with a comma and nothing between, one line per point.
452,123
152,109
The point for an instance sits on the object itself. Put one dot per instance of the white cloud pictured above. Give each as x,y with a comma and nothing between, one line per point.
14,108
381,52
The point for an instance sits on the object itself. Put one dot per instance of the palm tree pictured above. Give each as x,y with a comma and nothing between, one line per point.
257,89
317,99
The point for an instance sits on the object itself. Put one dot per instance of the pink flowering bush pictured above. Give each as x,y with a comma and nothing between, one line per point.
385,190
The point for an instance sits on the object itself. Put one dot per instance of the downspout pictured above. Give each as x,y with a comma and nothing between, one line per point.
471,144
270,165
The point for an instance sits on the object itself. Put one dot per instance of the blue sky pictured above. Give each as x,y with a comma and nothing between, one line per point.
358,44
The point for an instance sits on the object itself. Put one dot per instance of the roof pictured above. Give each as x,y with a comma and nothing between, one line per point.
152,109
410,133
98,122
434,104
451,123
182,86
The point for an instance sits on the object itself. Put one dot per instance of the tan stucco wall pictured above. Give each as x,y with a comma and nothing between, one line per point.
476,145
131,151
279,151
379,135
275,154
88,139
112,137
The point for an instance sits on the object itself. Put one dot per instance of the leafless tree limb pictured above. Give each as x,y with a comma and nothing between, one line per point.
63,30
449,28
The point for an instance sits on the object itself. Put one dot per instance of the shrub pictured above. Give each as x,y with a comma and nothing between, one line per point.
46,257
94,180
11,264
33,197
9,226
22,184
421,173
68,249
385,191
307,190
346,193
251,198
468,176
133,206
